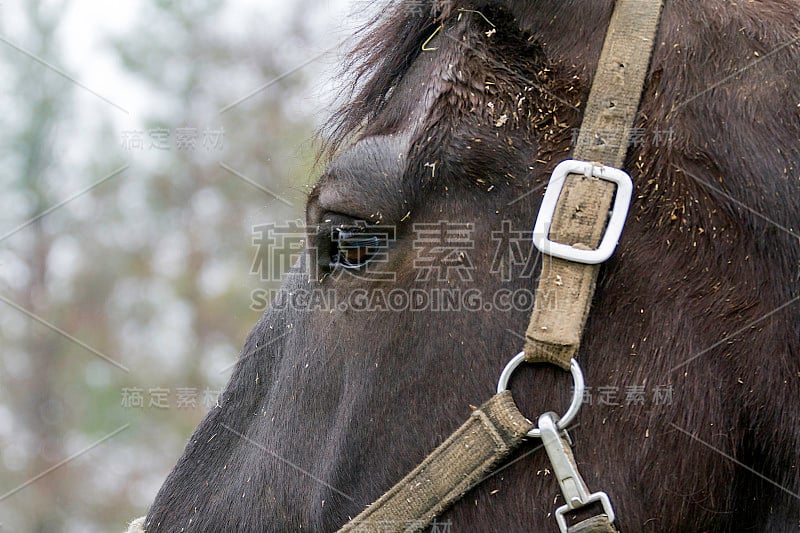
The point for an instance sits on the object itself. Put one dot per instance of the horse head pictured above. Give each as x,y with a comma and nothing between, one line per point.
419,275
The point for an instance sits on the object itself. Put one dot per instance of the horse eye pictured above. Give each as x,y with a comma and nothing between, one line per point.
342,241
352,247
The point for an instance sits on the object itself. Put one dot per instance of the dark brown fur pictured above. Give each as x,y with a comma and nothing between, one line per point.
706,272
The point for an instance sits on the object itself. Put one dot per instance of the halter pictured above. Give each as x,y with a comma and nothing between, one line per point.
577,210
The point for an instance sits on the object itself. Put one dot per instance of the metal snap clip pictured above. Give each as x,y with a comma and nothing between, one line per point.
573,487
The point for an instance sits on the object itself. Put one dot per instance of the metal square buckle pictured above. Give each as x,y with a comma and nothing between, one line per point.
619,211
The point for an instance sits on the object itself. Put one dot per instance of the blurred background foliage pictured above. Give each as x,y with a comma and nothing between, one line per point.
129,188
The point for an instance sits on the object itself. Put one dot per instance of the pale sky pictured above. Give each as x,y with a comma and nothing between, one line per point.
89,23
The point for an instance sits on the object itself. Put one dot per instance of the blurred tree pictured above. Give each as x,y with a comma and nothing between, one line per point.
36,409
151,267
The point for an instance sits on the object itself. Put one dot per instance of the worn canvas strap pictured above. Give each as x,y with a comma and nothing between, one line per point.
565,288
460,462
595,524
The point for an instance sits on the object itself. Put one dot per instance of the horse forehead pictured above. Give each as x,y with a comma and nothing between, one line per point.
366,180
418,92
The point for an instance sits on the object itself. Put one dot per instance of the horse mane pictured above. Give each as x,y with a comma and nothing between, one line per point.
386,46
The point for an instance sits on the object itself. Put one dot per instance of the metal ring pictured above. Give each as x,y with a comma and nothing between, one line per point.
577,395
